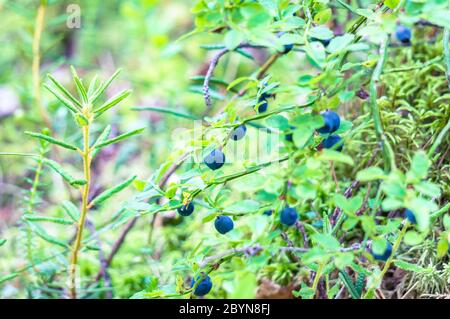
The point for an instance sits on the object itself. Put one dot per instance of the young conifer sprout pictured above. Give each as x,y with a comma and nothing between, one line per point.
85,109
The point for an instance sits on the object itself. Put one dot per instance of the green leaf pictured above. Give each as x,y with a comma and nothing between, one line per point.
348,282
111,102
45,236
112,191
119,138
245,206
332,155
391,3
65,91
326,241
442,247
64,174
2,242
409,267
71,210
52,140
323,16
339,43
301,136
321,33
370,174
68,104
104,86
428,188
80,87
420,165
233,38
102,138
37,218
413,238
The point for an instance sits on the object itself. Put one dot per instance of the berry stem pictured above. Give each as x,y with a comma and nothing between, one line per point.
84,209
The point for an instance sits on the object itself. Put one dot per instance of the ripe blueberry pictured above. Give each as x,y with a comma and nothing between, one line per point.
215,159
332,122
403,34
289,136
203,287
223,224
186,210
410,216
268,212
384,256
287,48
332,140
324,42
238,132
263,104
288,216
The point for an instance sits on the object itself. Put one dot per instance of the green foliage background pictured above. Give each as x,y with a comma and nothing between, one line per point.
164,48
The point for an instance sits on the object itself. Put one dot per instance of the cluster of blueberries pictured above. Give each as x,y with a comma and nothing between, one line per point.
288,215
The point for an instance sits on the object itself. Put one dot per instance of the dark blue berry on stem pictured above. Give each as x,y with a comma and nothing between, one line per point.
203,287
288,216
186,210
263,104
215,159
268,212
287,48
239,132
223,224
410,216
331,141
403,34
385,255
332,121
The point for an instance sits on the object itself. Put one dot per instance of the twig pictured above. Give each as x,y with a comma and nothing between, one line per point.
101,256
302,230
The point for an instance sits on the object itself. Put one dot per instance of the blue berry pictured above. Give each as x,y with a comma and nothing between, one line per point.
332,121
215,159
331,141
223,224
203,287
403,34
410,216
268,212
290,136
384,256
324,42
288,216
263,104
239,132
186,210
287,48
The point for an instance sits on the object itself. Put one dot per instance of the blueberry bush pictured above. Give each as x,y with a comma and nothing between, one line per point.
248,149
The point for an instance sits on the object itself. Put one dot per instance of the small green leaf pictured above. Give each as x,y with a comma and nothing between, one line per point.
102,138
52,140
112,191
37,218
71,210
391,3
104,86
332,155
370,174
64,91
112,102
119,138
323,16
442,247
64,174
2,242
68,104
413,238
